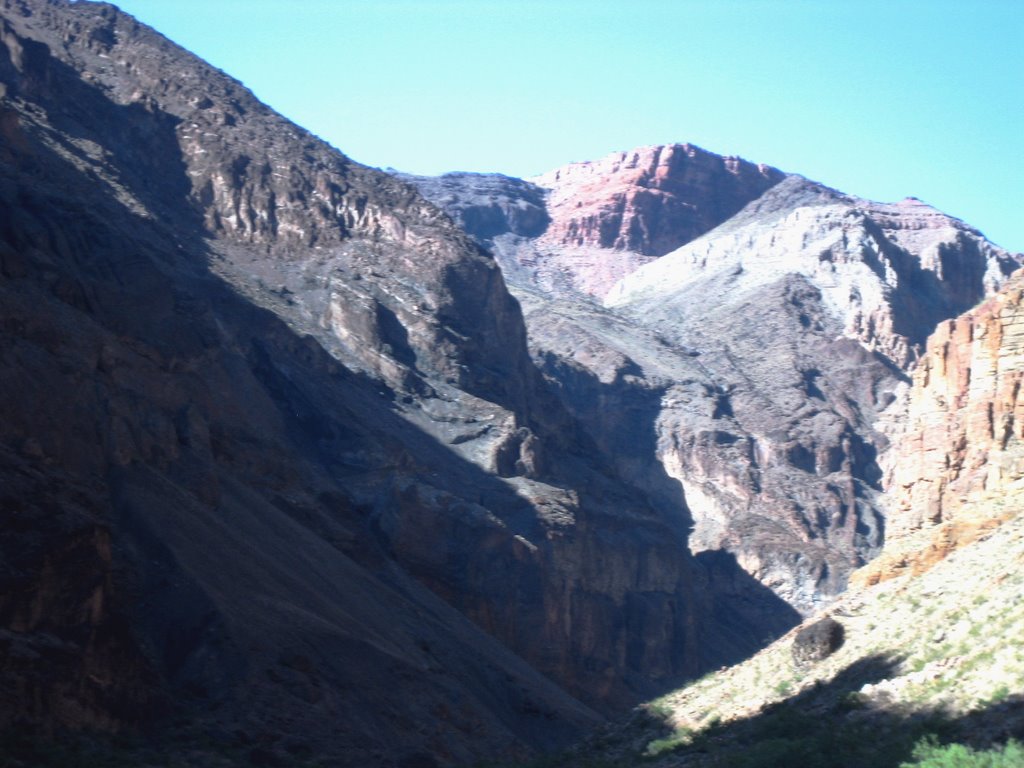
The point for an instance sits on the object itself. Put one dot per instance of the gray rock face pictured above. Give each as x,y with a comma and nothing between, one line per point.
487,206
806,308
888,272
275,449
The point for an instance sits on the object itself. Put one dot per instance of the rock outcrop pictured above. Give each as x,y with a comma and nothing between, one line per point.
299,466
741,376
805,309
650,200
582,227
889,272
192,485
960,446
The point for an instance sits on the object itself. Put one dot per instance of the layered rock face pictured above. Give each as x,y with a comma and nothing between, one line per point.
582,227
193,486
650,200
280,453
740,377
275,453
888,272
804,308
959,447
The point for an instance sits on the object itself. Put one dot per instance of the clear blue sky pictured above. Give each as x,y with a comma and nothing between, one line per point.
879,98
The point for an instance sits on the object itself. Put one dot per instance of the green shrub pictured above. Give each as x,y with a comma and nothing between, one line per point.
930,754
680,738
1000,694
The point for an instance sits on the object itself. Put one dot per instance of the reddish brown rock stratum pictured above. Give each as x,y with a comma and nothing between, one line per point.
651,199
963,439
579,228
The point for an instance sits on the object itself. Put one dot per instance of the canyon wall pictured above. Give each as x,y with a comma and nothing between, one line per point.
300,467
740,377
958,448
807,308
280,450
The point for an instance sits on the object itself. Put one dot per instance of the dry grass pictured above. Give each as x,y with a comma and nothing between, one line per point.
955,630
946,642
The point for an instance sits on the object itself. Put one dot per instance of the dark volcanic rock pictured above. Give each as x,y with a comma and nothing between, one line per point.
299,468
817,641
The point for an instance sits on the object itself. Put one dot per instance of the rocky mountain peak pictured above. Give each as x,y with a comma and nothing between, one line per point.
649,200
889,272
259,185
582,227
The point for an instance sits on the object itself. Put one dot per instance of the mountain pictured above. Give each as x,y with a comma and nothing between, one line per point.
926,659
302,462
280,475
203,490
741,376
581,227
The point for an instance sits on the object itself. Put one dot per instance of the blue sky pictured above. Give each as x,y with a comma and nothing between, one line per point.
885,100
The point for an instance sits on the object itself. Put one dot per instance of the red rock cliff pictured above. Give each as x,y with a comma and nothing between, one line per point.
963,439
650,200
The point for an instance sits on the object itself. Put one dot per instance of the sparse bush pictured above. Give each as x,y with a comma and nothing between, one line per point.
680,738
1000,694
930,754
659,709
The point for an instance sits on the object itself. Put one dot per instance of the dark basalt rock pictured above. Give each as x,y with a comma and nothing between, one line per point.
319,479
817,641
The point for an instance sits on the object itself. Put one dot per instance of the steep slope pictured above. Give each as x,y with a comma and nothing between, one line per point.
229,345
274,449
804,308
930,655
193,489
